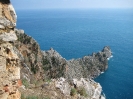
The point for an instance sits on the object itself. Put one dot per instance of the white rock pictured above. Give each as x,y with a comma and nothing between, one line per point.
8,37
2,27
63,86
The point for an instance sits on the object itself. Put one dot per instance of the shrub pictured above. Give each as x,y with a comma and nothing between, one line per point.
29,97
45,61
22,96
73,92
33,69
104,55
53,60
38,83
25,83
82,91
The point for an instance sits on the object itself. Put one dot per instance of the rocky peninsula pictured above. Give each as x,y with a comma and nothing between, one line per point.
27,72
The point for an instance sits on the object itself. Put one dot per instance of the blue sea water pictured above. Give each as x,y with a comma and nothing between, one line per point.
75,33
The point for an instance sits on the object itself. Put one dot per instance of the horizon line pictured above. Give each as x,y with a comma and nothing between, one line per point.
71,8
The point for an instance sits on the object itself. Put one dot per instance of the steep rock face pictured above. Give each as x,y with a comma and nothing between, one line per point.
9,60
9,72
54,64
89,66
7,21
31,57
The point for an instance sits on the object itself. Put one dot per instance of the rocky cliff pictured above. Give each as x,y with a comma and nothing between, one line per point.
87,67
31,57
46,74
49,68
9,60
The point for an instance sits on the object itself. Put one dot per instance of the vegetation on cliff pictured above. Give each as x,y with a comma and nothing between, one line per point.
43,66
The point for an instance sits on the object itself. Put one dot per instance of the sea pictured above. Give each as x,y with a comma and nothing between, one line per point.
75,33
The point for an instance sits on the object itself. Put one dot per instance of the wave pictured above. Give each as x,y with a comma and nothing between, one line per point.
102,72
110,57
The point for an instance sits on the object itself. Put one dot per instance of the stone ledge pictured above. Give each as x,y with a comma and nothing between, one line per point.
8,37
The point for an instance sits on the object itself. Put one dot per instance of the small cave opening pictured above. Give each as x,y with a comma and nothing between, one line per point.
5,1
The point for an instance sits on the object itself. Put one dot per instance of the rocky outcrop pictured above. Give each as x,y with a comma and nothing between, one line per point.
7,21
84,88
87,67
9,60
62,89
54,64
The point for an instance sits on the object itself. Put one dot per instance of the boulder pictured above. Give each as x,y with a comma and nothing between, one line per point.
63,85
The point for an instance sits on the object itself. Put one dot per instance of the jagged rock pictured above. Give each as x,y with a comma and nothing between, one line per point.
92,88
7,15
9,60
89,66
54,64
52,53
8,37
107,52
19,31
89,86
86,67
6,23
63,85
2,27
10,70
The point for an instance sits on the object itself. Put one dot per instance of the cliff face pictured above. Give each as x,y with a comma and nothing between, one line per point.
42,66
45,72
9,60
87,67
31,57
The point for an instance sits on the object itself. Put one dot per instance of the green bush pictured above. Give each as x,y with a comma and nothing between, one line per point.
73,92
45,61
82,92
29,97
25,83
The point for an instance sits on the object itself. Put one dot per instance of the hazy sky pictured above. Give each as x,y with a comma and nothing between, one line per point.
50,4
